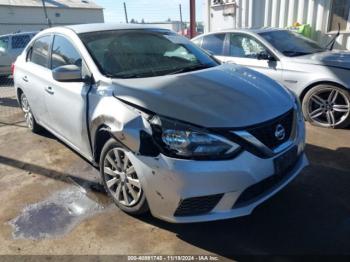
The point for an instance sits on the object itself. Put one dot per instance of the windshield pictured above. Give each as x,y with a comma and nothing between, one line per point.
144,53
291,44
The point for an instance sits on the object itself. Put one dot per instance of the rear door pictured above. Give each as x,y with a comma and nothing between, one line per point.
66,101
33,76
243,49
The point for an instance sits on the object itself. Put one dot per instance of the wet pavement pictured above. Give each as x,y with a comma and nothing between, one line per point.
52,203
55,216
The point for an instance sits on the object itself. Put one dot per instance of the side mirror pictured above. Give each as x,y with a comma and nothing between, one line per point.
265,56
67,73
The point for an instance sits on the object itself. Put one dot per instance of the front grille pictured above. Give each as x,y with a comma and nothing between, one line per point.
197,205
265,186
266,132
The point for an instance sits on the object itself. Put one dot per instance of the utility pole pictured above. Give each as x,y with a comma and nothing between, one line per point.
192,18
181,22
46,16
126,14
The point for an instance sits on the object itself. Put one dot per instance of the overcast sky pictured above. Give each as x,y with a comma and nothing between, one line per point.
150,10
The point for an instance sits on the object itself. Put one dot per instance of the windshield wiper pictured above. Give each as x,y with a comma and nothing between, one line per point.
190,68
133,75
296,53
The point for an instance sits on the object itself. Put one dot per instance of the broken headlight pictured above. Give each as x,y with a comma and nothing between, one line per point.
182,140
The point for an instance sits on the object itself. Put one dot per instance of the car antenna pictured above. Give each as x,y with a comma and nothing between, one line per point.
332,42
46,16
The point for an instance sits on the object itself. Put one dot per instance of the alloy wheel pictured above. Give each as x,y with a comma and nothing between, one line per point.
329,107
121,178
27,112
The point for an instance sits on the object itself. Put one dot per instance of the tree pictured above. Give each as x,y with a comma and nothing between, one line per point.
142,21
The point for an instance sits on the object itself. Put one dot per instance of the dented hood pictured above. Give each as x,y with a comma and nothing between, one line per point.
222,96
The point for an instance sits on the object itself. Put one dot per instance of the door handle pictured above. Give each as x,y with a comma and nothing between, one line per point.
25,79
49,90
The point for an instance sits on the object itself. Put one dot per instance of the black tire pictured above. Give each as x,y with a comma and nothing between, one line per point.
28,115
327,106
140,206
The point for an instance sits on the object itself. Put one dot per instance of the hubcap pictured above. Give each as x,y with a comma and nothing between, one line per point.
27,111
329,107
121,178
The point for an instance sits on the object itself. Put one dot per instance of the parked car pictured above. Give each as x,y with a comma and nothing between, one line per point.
11,46
319,77
171,129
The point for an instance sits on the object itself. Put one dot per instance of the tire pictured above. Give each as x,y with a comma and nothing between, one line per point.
124,189
327,106
28,115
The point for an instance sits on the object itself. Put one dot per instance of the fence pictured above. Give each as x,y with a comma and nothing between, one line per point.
10,113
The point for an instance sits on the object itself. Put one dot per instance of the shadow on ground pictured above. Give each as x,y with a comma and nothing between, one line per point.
8,101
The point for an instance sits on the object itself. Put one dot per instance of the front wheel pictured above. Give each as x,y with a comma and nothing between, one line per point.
120,179
327,106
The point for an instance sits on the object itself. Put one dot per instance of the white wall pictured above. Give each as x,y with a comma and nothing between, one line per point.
175,26
13,19
277,13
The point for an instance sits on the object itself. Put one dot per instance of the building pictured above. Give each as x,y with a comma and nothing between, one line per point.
28,15
171,25
176,26
322,15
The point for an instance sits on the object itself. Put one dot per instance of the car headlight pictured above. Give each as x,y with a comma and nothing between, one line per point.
182,140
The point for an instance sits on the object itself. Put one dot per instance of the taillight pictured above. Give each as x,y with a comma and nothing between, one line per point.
12,68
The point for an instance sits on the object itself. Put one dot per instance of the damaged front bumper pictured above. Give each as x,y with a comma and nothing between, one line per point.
183,191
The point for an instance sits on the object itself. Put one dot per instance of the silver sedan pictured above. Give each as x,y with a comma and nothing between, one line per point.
318,76
165,123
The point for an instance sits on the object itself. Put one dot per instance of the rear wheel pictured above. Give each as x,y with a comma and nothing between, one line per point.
327,106
28,115
121,180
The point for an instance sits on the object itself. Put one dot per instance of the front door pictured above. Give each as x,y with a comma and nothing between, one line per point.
66,101
244,49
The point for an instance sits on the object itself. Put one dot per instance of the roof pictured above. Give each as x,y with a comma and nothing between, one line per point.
52,3
86,28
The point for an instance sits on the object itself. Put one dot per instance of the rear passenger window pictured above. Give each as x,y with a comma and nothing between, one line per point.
214,43
40,51
20,41
64,53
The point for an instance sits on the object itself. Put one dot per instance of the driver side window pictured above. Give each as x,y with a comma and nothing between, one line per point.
245,46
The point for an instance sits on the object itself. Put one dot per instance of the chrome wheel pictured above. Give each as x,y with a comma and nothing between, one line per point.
328,107
121,178
27,112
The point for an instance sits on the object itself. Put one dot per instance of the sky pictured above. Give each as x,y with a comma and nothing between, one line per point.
149,10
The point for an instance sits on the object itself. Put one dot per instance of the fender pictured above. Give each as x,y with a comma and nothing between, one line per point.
127,130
